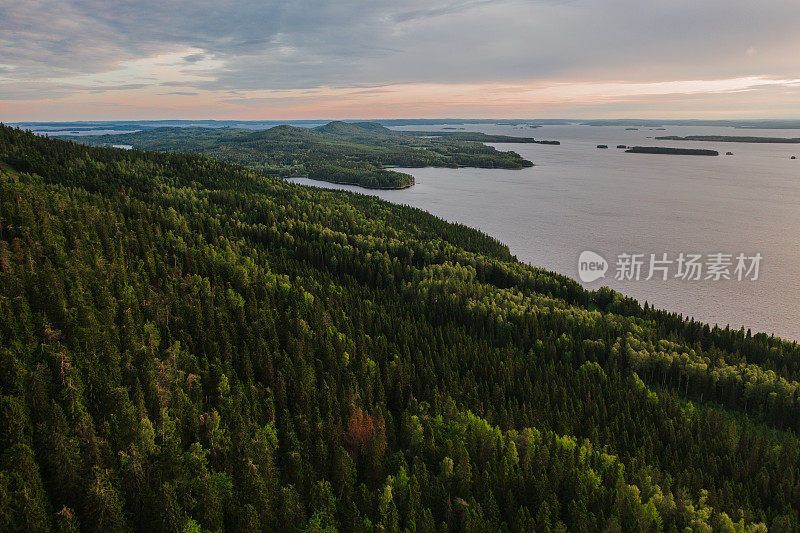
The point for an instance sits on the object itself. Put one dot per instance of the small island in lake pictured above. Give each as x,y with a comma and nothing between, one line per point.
669,151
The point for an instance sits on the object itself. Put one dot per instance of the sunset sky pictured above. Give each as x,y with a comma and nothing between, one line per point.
101,60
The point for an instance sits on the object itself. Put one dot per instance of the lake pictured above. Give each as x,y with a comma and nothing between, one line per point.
579,197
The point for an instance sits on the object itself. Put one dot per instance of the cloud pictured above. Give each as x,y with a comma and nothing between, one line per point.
436,11
231,47
123,87
194,58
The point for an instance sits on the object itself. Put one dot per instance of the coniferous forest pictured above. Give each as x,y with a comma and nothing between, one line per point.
190,345
339,152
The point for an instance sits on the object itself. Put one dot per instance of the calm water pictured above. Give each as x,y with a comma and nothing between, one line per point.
52,132
581,198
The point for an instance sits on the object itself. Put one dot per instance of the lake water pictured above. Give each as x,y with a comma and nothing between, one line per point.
579,197
52,132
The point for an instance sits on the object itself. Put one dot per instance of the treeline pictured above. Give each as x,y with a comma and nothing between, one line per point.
478,137
669,151
361,174
189,345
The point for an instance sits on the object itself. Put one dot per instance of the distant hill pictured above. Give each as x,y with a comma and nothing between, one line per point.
341,152
353,128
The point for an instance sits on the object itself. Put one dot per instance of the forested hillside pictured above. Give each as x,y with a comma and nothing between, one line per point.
339,152
189,345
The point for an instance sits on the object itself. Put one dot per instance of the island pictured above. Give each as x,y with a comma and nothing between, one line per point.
669,151
476,136
338,152
733,139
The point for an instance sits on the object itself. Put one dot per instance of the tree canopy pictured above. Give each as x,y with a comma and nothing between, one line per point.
190,345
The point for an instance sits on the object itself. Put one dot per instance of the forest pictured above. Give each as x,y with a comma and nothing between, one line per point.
669,151
478,137
192,345
339,152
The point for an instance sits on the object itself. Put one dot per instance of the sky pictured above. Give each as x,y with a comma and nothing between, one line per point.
265,59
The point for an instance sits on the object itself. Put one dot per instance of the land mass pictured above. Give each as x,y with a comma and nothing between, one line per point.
339,152
733,139
657,123
478,137
669,151
191,345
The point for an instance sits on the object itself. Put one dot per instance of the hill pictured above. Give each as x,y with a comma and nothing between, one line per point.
341,152
191,345
353,128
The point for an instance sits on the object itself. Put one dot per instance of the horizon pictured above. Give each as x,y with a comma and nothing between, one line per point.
419,119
